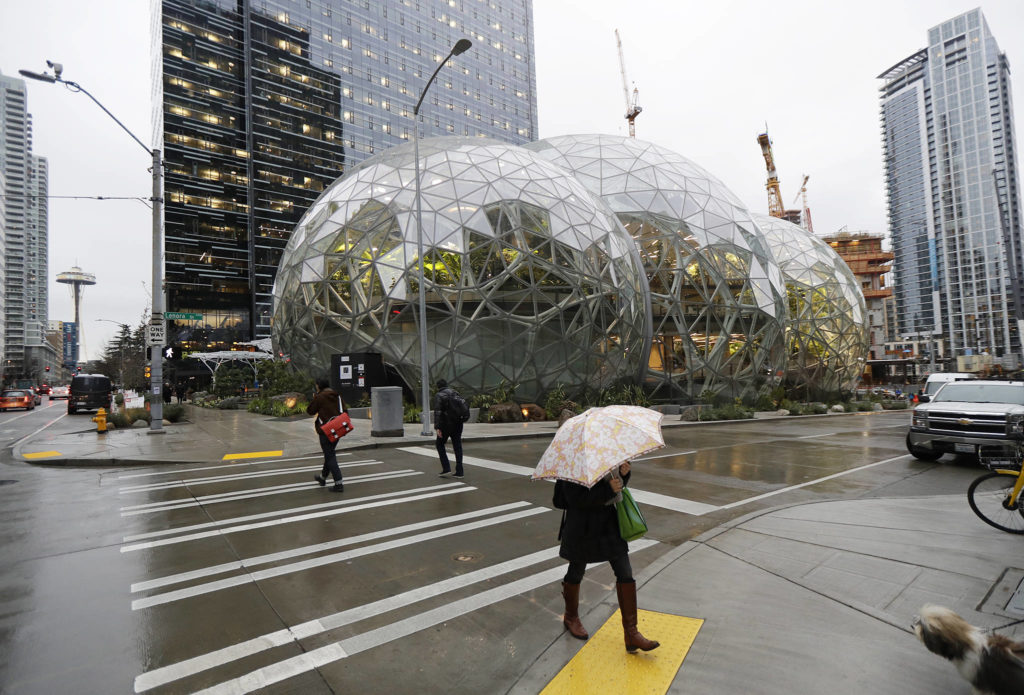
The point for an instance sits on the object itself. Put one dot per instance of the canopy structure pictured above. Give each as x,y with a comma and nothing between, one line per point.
212,360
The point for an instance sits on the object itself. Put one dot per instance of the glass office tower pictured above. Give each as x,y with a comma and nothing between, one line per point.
947,125
260,105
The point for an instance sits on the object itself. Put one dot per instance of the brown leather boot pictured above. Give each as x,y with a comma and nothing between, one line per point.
627,606
571,620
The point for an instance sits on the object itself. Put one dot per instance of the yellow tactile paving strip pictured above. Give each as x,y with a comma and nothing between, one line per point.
42,454
604,666
251,455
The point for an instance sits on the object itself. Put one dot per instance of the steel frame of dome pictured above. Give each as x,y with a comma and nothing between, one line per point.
717,295
826,329
529,278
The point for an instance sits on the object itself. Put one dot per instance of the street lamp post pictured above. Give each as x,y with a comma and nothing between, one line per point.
156,350
460,47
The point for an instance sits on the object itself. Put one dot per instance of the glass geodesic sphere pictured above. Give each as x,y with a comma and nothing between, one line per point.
717,297
827,331
529,278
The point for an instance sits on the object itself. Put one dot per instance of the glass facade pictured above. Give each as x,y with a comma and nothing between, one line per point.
529,278
826,325
260,105
717,296
946,126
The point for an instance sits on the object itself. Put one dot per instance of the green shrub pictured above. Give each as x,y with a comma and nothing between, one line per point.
260,406
412,413
894,405
119,419
230,378
230,403
277,377
174,412
119,398
134,414
624,394
764,402
732,411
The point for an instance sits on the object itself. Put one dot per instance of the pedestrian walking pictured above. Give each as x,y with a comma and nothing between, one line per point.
327,404
167,393
450,411
590,533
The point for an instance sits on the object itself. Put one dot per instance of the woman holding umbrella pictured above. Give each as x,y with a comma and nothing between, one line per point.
587,488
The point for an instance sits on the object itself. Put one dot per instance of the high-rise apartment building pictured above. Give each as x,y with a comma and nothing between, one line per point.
25,238
260,105
947,125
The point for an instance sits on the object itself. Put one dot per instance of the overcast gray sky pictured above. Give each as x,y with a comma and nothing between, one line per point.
710,76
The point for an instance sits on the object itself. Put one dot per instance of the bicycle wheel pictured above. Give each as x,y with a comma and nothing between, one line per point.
988,495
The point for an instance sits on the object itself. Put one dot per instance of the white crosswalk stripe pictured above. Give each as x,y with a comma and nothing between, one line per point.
190,482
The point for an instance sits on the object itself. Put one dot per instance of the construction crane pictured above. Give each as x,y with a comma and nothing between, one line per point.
775,208
632,107
806,210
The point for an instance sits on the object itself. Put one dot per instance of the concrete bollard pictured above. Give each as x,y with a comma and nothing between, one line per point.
386,406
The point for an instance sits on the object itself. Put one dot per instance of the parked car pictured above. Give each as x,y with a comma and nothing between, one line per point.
965,415
89,391
59,392
17,398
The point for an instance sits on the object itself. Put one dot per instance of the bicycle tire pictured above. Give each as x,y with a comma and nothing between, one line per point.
986,496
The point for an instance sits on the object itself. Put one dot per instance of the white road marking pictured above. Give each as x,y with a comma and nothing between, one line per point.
815,436
473,461
282,512
288,668
204,662
812,482
253,577
220,467
155,507
357,505
32,434
291,470
665,456
318,547
675,504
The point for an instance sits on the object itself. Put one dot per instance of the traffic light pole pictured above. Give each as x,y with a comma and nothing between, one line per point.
156,385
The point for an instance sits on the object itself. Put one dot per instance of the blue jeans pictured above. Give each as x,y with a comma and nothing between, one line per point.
455,432
330,458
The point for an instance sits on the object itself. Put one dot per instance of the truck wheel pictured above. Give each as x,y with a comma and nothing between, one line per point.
922,454
71,409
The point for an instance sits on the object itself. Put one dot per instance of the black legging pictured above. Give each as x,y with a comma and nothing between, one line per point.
620,565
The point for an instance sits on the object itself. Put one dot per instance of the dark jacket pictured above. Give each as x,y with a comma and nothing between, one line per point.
325,406
591,530
443,419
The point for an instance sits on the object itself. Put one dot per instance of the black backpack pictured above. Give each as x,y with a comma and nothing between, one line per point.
458,407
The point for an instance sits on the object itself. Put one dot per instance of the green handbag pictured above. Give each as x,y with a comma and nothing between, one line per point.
631,522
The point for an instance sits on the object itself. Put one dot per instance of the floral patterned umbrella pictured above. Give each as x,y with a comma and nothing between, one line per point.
589,445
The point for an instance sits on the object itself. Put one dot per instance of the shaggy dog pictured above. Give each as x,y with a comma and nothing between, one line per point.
993,664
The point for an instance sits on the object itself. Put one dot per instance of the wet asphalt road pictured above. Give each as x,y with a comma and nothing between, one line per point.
172,579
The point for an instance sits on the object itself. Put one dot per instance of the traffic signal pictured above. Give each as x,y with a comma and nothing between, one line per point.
47,369
148,372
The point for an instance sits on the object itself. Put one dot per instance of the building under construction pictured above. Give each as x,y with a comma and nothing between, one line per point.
869,263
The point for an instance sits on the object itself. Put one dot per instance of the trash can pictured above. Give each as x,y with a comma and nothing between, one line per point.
387,412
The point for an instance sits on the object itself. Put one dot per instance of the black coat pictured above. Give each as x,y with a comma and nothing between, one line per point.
591,530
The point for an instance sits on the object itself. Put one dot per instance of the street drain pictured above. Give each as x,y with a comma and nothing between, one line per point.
466,557
7,482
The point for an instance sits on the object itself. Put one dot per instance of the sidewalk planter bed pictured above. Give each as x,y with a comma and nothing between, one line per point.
359,413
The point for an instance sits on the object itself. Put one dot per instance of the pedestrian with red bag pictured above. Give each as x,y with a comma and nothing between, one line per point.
327,404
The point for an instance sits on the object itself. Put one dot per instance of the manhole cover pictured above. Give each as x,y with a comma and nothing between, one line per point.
7,482
466,557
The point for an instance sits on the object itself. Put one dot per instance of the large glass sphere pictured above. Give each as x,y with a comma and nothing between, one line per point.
717,297
529,278
827,332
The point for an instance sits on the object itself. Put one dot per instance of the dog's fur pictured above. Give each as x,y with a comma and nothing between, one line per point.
993,664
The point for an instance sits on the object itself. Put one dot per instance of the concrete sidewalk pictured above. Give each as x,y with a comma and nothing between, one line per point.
811,598
818,598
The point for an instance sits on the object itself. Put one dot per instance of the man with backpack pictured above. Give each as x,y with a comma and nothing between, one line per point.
450,412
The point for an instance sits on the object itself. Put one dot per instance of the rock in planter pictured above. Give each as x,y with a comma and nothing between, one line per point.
140,423
506,412
534,413
837,409
565,415
877,407
690,413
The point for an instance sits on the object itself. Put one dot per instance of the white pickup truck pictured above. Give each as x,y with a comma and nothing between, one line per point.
964,415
